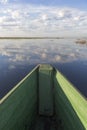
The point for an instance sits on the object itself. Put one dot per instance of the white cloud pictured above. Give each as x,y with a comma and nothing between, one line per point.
15,14
2,19
27,20
44,17
3,1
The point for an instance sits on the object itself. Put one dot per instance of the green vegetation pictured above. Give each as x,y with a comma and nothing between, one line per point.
81,41
31,37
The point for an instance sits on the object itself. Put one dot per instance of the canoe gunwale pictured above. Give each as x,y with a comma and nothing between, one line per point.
23,101
18,85
56,70
37,67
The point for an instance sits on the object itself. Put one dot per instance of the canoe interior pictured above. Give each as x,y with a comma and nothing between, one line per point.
43,100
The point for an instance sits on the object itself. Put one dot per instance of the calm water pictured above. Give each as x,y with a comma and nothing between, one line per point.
18,57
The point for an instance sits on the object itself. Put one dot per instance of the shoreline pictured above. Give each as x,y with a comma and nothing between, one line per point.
31,37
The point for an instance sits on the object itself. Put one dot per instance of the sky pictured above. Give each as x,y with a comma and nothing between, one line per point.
43,18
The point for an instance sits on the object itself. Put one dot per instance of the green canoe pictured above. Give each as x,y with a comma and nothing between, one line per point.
43,100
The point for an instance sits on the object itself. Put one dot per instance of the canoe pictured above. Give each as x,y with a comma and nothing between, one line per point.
43,100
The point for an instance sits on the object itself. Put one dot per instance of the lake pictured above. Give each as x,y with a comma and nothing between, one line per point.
18,57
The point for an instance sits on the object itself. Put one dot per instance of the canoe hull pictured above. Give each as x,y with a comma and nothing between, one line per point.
21,106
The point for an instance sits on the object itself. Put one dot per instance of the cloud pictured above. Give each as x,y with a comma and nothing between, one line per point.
19,20
15,14
3,1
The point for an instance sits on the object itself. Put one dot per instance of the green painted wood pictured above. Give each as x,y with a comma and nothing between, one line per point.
70,106
19,108
45,90
44,123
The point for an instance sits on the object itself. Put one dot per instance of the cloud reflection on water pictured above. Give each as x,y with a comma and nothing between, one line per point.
39,51
18,56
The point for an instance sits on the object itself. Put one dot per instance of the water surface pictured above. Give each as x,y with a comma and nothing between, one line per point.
18,57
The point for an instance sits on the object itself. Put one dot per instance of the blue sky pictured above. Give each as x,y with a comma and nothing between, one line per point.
72,3
43,17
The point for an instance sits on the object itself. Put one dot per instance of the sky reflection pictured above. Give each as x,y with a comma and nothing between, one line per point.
17,57
39,51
